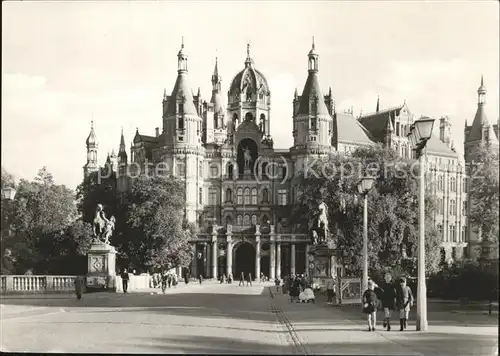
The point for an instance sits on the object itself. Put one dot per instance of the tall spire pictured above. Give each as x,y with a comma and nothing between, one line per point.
481,93
378,104
216,79
182,59
313,46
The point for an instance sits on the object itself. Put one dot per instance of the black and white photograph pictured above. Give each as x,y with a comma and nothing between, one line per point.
250,177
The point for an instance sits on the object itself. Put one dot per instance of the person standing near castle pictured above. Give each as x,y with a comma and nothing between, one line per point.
387,292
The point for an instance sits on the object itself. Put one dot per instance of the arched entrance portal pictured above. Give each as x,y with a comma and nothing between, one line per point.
244,259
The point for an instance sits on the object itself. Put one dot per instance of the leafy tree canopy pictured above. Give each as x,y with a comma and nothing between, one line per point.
392,206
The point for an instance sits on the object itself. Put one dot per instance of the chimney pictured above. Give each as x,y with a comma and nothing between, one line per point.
157,130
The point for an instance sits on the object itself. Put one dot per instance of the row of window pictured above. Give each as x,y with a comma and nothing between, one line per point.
452,234
453,207
247,220
244,196
452,184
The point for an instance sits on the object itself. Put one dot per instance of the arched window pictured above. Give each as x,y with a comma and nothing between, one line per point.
229,195
254,196
246,197
265,196
254,219
246,220
249,117
239,220
229,220
239,196
212,196
230,170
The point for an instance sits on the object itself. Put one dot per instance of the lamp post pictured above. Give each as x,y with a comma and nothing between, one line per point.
8,194
420,133
364,187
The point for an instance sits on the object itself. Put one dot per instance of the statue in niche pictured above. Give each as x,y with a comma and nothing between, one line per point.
261,126
249,93
247,156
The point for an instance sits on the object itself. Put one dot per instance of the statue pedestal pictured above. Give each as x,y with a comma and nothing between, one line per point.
323,264
101,267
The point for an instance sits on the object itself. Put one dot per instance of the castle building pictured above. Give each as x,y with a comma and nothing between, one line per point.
239,187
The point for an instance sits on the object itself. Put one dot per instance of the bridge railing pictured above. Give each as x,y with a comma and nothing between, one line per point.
36,284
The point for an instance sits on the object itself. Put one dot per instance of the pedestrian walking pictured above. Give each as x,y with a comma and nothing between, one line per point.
370,305
404,301
79,285
164,282
387,295
169,280
125,279
249,280
242,279
277,282
330,290
200,279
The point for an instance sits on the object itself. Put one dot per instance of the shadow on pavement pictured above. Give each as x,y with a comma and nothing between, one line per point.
199,344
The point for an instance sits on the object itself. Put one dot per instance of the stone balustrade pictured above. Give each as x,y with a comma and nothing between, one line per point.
61,284
37,284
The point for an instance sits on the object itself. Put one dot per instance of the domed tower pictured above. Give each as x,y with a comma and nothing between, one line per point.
249,99
182,125
312,117
92,146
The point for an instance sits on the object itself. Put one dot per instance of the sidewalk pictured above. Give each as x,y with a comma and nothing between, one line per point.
181,286
333,330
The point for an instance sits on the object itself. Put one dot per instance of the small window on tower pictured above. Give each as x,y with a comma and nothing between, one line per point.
181,108
181,123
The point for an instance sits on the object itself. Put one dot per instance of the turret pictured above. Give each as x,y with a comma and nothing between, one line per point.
92,146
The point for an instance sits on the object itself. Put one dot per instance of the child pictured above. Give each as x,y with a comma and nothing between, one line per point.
404,301
388,297
370,302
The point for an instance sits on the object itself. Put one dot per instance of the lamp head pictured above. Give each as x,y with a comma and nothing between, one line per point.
8,193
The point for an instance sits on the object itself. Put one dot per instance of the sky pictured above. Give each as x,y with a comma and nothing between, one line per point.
67,63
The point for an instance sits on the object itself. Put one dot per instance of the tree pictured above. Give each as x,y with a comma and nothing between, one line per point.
484,193
97,188
157,234
41,210
392,207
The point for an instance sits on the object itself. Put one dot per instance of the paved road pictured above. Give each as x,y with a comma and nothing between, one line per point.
216,318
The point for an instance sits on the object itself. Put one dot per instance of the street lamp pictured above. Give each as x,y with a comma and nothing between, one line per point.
8,193
364,187
420,133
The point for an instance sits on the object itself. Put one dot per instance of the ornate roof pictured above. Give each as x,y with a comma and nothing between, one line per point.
249,76
312,90
92,138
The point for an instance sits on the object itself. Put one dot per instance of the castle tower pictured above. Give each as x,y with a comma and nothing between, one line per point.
92,146
122,161
182,124
481,130
249,99
214,115
312,120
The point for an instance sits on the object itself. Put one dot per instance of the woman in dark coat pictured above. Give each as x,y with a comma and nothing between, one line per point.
370,302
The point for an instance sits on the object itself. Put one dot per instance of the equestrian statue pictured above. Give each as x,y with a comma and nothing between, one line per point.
319,228
102,227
